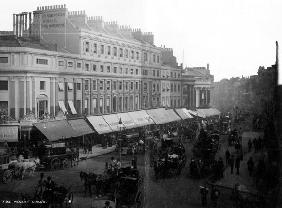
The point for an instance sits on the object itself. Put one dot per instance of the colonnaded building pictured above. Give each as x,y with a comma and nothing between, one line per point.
58,60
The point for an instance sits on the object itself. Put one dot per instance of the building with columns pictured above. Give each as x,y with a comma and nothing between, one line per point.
59,60
196,87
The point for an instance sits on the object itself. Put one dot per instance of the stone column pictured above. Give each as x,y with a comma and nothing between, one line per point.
197,97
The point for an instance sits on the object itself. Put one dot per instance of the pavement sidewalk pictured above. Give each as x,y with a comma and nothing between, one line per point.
97,150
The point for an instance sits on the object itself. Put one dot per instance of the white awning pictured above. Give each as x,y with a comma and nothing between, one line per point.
9,133
158,115
187,113
99,124
183,113
73,111
127,120
171,115
141,118
208,112
113,121
62,106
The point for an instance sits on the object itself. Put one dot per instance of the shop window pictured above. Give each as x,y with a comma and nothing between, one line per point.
78,86
3,85
4,60
42,61
42,85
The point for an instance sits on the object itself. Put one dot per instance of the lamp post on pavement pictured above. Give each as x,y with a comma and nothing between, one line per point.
120,125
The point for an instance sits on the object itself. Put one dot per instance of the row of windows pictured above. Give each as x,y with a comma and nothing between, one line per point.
117,52
173,87
172,74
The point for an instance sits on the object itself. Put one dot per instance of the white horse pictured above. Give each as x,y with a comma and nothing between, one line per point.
25,165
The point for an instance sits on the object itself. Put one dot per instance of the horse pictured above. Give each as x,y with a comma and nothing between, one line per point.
23,166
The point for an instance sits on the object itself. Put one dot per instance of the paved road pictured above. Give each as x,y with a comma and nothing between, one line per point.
176,192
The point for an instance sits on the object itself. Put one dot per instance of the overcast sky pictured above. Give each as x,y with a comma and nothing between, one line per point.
234,36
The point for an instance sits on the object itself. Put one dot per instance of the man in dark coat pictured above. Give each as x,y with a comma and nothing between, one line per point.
214,196
231,163
204,192
237,164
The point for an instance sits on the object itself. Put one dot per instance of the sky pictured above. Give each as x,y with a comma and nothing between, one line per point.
234,36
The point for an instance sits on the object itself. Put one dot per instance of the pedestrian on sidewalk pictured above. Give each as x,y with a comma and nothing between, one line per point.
204,192
231,163
237,164
227,156
250,145
214,196
251,165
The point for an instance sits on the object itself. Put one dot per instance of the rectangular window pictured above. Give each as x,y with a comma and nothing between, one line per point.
115,51
70,86
108,85
136,102
115,70
109,50
137,55
4,60
61,86
126,53
154,58
87,67
154,87
136,85
4,107
95,48
126,85
108,105
132,54
86,46
114,85
120,52
86,84
131,85
78,86
120,85
158,73
70,64
86,106
126,71
101,68
145,57
3,85
131,71
101,105
158,87
42,61
61,63
102,49
101,85
109,69
94,84
120,70
78,65
154,73
145,86
42,85
94,67
158,59
94,104
137,71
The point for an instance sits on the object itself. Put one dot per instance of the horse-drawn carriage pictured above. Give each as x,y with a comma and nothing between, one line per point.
55,156
122,186
170,158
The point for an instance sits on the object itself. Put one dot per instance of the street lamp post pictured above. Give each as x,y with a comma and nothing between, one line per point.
120,125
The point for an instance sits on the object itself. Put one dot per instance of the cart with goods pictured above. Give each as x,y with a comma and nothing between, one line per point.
57,156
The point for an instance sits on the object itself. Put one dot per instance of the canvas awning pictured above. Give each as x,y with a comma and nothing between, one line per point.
9,133
183,113
113,121
172,116
208,112
73,111
141,118
158,115
55,130
99,124
81,126
127,121
62,106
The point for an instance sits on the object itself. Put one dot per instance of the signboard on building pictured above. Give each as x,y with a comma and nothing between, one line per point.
9,133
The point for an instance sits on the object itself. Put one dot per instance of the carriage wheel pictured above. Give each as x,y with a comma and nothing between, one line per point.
66,163
55,164
6,176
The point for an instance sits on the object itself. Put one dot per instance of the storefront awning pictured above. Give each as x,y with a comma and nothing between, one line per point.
73,111
113,121
99,124
208,112
158,115
55,130
127,121
183,113
188,113
62,106
80,126
141,118
172,116
9,133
